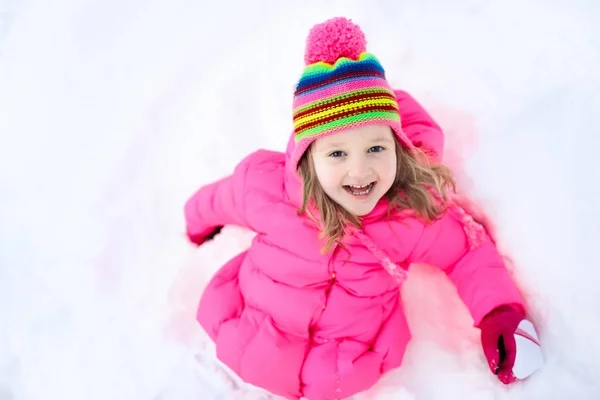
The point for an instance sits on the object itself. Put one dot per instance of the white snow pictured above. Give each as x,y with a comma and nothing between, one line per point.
113,111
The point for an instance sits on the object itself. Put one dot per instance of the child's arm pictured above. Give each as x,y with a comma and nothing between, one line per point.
463,249
419,126
217,204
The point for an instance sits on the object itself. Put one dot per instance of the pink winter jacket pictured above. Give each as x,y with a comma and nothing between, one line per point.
299,323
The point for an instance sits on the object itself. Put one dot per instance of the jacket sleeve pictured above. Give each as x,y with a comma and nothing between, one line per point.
219,203
419,126
464,251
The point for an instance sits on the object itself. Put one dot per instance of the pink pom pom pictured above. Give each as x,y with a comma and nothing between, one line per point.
332,39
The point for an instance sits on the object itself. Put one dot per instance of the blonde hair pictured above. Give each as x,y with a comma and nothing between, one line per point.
419,185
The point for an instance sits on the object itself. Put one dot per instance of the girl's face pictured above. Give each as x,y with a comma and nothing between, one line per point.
356,167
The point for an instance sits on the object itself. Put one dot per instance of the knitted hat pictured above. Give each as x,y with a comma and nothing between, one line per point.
342,87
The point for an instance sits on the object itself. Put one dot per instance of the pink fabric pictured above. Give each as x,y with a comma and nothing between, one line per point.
332,39
419,126
395,271
497,327
299,323
342,87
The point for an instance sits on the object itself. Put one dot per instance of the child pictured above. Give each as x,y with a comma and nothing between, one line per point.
313,308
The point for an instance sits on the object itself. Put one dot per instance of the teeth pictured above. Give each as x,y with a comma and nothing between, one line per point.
352,189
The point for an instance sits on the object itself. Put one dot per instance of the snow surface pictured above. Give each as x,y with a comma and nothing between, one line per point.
113,111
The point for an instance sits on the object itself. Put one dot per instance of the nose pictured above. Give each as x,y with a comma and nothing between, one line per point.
359,168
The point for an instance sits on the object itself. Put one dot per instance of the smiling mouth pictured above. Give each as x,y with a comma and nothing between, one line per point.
359,190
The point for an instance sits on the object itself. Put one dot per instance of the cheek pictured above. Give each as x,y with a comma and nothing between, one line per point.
392,168
329,175
387,168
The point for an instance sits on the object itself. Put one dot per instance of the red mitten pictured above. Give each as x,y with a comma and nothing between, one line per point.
203,237
498,341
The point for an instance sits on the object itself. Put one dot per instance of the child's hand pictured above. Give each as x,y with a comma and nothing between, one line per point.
202,238
498,341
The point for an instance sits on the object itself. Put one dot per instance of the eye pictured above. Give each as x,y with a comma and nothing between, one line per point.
336,154
375,149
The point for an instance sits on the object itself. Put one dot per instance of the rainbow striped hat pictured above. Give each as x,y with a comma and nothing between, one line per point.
342,87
